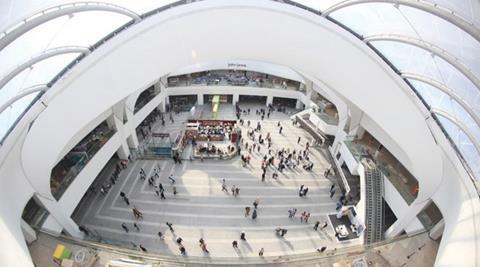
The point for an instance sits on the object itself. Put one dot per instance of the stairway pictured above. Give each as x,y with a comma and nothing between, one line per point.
374,219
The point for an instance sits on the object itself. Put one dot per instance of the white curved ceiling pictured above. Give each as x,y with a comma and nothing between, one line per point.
366,19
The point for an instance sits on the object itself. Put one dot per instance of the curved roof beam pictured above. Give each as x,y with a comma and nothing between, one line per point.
44,55
435,50
427,6
442,87
19,28
25,92
459,124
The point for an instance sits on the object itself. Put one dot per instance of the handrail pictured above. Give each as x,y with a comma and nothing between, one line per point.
339,252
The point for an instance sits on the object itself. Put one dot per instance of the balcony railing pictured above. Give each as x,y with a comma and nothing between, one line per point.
76,160
406,186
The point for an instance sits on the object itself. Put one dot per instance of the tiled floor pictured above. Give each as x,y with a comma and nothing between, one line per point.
202,209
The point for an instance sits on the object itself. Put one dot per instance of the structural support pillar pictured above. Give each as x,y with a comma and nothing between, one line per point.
235,99
308,93
437,231
162,107
200,99
269,100
115,123
299,104
28,232
58,217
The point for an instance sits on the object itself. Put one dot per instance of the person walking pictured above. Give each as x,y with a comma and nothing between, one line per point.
303,216
233,190
315,227
172,180
260,253
143,248
183,251
170,226
235,244
237,191
224,186
136,227
305,191
307,216
256,202
160,187
332,193
263,176
298,141
300,191
322,249
283,232
203,245
254,214
247,211
160,235
137,213
242,236
332,187
124,226
324,225
126,200
162,196
174,190
179,240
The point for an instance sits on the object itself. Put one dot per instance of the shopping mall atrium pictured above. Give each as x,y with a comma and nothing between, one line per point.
240,133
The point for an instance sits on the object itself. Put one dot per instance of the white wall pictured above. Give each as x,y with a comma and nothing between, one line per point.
306,51
236,64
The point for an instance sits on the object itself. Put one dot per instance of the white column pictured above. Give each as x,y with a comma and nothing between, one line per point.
161,107
269,100
115,123
132,139
299,104
58,217
28,232
437,231
236,98
200,99
402,223
308,93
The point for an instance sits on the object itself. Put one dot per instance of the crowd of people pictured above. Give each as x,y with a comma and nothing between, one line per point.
274,160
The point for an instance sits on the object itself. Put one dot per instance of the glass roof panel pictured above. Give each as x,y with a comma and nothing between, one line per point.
375,18
445,35
408,58
437,99
41,73
464,145
29,44
10,115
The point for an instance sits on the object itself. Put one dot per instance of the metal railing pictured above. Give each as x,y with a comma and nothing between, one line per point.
128,248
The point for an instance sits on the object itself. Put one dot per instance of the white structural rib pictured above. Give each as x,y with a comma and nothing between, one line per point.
459,124
44,55
19,28
423,5
442,87
25,92
435,50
